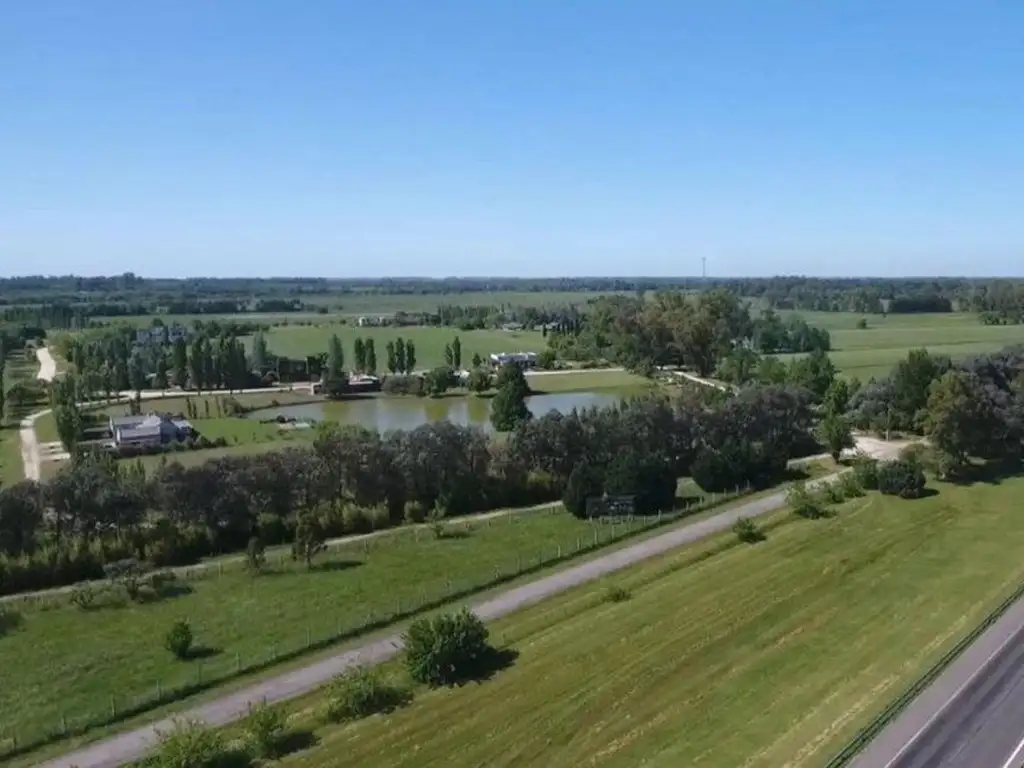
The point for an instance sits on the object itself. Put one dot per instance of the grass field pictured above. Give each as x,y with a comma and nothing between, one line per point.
17,369
726,654
302,340
874,350
83,664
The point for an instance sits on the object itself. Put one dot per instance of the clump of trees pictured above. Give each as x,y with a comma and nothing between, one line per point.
508,408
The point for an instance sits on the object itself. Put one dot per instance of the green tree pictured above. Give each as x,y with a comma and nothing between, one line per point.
310,539
179,362
447,649
260,353
837,397
400,355
834,433
389,350
178,639
479,381
335,359
449,356
477,360
3,386
371,357
439,380
359,352
456,353
739,366
960,418
410,357
160,379
508,408
137,372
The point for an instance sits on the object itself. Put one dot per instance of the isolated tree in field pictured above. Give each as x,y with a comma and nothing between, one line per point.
508,408
196,366
255,555
449,356
67,415
400,355
335,359
178,639
410,357
456,353
834,433
447,649
371,357
477,360
359,352
389,349
310,539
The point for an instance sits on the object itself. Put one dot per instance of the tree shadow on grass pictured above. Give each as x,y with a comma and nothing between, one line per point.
493,662
10,620
166,591
455,534
296,741
329,566
200,652
989,472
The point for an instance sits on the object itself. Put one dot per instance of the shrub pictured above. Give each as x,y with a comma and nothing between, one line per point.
746,530
616,594
584,482
850,485
415,511
9,619
178,639
255,555
804,503
447,649
128,573
865,470
193,744
265,728
356,519
83,596
361,692
901,478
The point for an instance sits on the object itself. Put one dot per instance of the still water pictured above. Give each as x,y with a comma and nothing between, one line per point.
389,413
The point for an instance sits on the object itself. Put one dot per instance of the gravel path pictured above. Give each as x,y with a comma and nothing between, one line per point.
126,747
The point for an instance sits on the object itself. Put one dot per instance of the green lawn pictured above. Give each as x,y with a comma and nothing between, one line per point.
874,350
587,381
726,654
65,662
12,470
302,340
214,401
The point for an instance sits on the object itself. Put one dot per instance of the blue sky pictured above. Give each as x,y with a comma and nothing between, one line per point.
534,137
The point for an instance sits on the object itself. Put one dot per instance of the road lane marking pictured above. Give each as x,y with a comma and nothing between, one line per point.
1012,761
939,712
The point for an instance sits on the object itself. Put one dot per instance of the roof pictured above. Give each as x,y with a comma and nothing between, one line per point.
139,432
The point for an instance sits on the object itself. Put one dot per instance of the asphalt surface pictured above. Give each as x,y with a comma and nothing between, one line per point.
132,745
972,716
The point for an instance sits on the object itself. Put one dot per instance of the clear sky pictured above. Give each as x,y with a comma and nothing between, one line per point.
512,137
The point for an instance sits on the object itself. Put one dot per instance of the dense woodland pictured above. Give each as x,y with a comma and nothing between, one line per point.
75,302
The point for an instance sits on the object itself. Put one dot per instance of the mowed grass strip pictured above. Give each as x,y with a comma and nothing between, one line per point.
63,661
726,654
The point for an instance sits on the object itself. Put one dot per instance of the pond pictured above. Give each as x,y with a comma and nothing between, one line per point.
385,414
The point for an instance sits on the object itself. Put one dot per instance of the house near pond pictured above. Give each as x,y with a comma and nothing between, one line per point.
149,429
522,359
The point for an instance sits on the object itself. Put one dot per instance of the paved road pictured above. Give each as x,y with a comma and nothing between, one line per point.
132,745
972,716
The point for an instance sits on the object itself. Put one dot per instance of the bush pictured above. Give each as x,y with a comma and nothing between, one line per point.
850,485
415,512
193,744
83,597
747,531
404,385
865,470
804,503
265,728
901,478
616,594
447,649
584,482
361,692
128,573
178,639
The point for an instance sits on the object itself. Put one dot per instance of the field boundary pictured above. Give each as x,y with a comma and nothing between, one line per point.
887,715
12,746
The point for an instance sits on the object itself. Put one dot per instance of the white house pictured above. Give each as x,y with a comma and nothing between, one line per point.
524,359
148,429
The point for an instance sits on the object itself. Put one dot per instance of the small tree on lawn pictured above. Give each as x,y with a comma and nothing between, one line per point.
255,555
479,381
128,574
310,539
447,649
178,639
834,433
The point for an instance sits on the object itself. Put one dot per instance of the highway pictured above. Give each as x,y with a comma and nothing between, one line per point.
972,716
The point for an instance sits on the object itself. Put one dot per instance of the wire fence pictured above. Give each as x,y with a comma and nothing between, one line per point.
217,668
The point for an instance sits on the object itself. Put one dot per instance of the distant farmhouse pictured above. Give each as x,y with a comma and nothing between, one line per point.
522,359
148,429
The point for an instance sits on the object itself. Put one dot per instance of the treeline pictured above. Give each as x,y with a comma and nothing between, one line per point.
672,328
969,410
351,480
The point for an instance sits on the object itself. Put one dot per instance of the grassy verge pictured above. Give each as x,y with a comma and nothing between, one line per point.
725,654
585,381
73,668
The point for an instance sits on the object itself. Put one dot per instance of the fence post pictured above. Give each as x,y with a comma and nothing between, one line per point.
309,637
238,662
519,564
113,707
559,551
64,724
